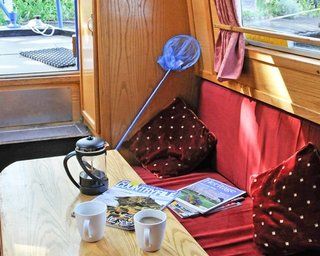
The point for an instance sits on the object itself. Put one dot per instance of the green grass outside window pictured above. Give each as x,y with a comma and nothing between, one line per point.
27,9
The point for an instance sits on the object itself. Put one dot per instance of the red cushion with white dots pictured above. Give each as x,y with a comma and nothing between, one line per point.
173,142
286,205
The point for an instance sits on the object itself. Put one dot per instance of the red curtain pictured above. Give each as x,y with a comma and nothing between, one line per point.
230,46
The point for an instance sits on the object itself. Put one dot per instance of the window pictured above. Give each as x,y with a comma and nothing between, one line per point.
290,17
37,37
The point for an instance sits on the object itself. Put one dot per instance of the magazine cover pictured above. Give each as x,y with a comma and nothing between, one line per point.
127,198
207,194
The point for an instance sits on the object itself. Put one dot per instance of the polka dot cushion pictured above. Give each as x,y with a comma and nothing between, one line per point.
174,142
286,205
56,57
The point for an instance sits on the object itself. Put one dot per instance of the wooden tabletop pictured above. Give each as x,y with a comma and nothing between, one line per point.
36,202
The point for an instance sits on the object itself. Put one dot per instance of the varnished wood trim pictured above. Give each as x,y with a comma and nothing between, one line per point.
215,19
40,75
89,72
96,68
254,31
201,28
101,43
80,53
89,121
45,80
286,60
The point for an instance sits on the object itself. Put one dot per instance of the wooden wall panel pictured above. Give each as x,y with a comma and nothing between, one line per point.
131,34
201,28
286,81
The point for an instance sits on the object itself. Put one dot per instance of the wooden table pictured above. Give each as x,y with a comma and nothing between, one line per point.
36,202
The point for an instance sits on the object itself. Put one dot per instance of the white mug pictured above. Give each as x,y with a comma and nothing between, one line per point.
149,235
91,220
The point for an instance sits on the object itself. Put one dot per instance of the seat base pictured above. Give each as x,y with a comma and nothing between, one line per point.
228,232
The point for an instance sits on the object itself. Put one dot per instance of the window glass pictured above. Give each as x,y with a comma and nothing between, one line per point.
293,17
37,37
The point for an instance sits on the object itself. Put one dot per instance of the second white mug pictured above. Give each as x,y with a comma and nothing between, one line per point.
150,227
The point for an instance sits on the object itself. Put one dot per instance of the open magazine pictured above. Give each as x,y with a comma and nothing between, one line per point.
204,197
127,198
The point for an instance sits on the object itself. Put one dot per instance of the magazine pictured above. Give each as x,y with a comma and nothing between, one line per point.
184,212
127,198
206,195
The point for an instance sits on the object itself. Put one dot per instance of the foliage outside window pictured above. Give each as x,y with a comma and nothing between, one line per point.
27,9
293,17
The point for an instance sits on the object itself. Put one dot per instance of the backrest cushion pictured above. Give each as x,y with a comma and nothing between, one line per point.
286,205
252,136
173,142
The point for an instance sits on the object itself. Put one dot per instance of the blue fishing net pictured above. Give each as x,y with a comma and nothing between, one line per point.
180,53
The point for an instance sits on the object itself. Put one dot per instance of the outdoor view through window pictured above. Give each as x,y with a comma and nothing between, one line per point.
37,36
293,17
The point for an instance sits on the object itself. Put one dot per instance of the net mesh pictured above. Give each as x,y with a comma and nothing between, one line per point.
180,53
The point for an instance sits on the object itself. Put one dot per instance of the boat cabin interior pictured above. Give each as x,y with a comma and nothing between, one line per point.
171,94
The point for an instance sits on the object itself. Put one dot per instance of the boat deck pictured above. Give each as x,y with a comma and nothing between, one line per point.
12,63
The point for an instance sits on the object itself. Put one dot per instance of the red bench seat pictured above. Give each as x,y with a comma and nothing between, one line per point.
252,138
227,232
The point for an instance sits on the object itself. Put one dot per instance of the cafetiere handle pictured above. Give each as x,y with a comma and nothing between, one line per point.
65,164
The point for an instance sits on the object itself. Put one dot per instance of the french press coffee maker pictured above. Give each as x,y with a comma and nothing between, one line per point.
91,154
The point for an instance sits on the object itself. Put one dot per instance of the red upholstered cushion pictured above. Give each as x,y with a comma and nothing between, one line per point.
173,142
252,136
228,232
286,204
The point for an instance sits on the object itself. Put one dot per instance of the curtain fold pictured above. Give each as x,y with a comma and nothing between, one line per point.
230,46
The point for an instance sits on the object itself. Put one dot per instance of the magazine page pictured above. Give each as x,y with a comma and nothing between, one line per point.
207,194
185,212
127,198
181,210
121,215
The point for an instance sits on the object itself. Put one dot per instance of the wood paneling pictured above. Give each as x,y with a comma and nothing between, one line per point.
89,71
201,28
284,80
70,81
131,35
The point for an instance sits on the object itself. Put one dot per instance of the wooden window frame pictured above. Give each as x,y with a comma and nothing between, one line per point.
261,32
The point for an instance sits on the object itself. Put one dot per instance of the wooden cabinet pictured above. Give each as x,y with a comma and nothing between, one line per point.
88,62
